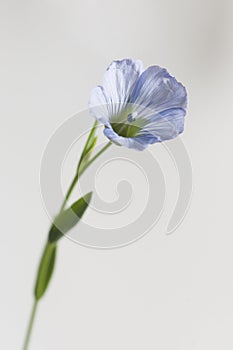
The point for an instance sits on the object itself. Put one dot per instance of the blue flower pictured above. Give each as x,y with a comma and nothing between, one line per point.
139,107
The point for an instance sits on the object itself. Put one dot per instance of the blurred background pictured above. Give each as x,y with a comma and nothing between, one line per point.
162,292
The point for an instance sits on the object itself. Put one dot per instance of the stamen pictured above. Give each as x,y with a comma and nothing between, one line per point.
132,117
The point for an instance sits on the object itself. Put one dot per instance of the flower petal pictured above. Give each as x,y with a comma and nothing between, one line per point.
118,82
137,143
166,125
98,105
157,90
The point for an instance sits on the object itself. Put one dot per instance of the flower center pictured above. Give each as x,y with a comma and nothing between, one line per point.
132,117
125,129
127,123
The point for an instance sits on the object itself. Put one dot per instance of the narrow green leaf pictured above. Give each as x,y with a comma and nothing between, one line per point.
69,218
45,269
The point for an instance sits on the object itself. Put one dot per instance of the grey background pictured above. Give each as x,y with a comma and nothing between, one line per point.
163,292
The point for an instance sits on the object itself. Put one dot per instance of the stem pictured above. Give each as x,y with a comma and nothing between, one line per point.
79,174
95,157
31,321
70,189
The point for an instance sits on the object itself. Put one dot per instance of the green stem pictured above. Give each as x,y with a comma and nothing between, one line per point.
70,189
95,157
31,321
79,174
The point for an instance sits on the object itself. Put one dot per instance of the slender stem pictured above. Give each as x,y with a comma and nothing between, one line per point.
79,173
70,189
31,321
95,157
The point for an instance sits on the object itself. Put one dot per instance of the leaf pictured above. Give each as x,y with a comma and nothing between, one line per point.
69,218
45,269
65,221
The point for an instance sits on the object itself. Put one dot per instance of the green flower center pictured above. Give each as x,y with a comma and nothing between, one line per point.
126,129
126,124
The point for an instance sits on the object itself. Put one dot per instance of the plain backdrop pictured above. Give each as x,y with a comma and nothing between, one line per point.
162,292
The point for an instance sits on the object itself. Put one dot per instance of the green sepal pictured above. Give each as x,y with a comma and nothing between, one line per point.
69,218
45,269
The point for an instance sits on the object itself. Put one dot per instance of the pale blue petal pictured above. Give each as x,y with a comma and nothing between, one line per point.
166,125
137,143
147,138
118,83
157,90
98,105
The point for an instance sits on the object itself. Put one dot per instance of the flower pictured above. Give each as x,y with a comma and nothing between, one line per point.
139,107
